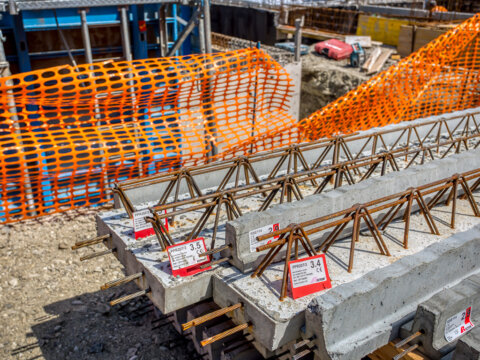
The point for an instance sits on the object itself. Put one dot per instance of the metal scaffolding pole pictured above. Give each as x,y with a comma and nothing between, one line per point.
127,52
163,30
86,37
207,28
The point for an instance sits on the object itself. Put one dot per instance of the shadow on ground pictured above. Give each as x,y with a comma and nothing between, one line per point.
86,327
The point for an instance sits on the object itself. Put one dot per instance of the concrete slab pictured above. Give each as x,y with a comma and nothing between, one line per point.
276,324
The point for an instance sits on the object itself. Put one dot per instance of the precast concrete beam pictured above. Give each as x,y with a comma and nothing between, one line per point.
245,258
468,347
168,293
354,319
432,315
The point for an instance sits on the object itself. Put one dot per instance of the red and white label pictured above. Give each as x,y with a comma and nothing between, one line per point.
141,227
308,276
458,324
262,231
185,258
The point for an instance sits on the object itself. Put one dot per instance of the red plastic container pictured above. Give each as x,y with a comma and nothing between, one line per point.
334,49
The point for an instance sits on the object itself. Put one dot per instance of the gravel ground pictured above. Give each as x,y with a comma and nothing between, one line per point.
51,305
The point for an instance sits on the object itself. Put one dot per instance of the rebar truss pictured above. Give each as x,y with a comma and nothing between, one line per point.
392,204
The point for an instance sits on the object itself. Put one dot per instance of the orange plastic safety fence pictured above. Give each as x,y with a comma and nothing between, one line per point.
441,77
67,134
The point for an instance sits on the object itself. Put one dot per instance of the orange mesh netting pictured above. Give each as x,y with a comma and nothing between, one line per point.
67,134
441,77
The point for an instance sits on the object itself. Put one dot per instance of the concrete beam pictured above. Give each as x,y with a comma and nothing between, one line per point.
468,347
168,293
354,319
315,206
432,315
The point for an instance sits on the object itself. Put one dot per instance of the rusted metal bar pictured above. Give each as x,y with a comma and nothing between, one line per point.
216,262
301,344
301,354
122,281
405,352
96,240
326,144
286,185
225,334
210,316
408,339
216,250
129,297
97,254
392,203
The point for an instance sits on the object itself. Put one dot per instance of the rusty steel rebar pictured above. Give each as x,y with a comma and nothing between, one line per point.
97,254
129,297
89,242
207,317
122,281
391,204
225,334
405,352
408,339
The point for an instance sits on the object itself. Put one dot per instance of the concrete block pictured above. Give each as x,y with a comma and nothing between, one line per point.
468,347
315,206
432,315
353,319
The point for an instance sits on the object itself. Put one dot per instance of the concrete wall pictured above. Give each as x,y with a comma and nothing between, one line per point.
315,206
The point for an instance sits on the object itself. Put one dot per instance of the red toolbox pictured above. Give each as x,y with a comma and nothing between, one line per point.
334,49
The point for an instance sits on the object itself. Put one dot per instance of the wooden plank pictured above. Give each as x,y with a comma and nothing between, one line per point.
424,35
405,40
367,66
381,60
311,33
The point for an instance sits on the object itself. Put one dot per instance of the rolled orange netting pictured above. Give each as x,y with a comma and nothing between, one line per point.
68,133
441,77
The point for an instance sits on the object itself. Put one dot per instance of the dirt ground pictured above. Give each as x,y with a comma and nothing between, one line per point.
325,80
51,305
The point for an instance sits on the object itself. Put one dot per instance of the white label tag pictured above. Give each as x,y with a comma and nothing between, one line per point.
185,255
262,231
139,223
458,325
308,272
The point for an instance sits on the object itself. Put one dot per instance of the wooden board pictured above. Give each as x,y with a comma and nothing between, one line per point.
424,35
311,33
389,351
405,40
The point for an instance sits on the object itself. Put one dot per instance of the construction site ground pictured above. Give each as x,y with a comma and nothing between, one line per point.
52,306
325,80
